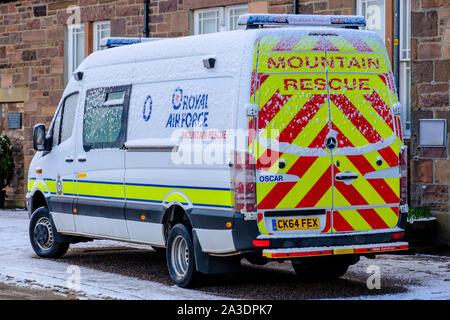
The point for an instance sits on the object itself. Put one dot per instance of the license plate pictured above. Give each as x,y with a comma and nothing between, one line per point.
295,224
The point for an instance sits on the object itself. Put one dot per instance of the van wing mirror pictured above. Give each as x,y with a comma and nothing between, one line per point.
40,143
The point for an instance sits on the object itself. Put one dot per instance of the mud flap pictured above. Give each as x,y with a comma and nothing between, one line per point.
207,264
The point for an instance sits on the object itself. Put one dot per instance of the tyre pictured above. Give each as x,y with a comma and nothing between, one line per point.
180,256
43,235
319,271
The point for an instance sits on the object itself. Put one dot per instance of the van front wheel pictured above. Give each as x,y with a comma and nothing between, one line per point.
44,237
180,256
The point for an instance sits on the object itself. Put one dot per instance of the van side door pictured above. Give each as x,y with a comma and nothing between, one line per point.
58,169
100,163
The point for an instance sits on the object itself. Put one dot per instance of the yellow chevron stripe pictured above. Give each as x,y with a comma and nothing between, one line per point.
309,179
354,219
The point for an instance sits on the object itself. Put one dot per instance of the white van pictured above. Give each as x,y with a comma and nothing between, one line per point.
264,144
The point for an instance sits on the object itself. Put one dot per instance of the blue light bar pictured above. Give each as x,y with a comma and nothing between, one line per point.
112,42
253,20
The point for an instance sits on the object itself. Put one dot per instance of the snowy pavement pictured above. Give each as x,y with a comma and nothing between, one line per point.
20,266
116,270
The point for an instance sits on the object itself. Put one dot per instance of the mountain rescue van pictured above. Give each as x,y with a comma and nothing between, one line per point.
265,144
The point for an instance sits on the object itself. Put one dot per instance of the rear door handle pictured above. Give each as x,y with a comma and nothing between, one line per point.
346,176
69,159
81,158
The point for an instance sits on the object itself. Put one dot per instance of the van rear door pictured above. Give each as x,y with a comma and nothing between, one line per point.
326,145
366,182
293,167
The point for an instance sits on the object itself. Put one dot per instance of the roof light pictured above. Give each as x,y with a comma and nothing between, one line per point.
111,42
255,20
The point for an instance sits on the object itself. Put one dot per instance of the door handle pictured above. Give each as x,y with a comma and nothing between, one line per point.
346,176
69,159
81,158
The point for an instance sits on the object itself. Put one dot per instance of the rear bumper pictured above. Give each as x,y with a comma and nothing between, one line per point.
245,232
375,248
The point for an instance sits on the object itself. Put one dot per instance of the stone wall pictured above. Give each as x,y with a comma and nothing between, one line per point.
430,70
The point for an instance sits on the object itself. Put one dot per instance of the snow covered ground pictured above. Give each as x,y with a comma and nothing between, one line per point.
20,266
424,277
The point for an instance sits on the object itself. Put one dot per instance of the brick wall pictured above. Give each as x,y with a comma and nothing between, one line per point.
430,70
32,64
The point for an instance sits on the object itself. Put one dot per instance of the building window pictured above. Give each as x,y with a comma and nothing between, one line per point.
405,65
218,19
102,29
374,12
75,47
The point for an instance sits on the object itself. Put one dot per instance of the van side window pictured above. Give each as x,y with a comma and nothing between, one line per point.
105,117
68,116
64,120
56,128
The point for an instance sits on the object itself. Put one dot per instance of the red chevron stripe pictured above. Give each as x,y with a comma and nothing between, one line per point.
317,191
373,219
273,198
389,156
364,166
349,192
340,224
356,117
323,44
269,111
286,43
327,223
319,140
302,118
380,107
359,44
260,77
398,124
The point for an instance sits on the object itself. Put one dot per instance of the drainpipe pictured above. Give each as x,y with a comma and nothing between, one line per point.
294,5
397,43
145,31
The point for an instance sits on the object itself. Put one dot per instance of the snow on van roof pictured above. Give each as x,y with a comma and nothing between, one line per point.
233,43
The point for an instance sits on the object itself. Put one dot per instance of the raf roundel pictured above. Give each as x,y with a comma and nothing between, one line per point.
177,98
147,110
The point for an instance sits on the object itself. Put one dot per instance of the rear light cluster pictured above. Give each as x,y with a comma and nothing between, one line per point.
244,182
403,176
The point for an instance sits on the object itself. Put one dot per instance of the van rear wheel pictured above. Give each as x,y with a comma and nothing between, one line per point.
180,256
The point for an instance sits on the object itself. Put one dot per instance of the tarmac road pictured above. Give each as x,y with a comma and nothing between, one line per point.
275,280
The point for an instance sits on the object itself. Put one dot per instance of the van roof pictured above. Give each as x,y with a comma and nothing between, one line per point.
236,43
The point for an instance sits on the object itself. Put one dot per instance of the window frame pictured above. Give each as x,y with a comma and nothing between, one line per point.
122,137
223,17
405,66
58,111
95,29
71,44
359,11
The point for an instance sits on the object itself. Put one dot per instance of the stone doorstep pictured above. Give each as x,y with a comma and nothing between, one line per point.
15,203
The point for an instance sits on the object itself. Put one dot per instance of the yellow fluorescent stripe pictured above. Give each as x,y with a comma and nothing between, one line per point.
375,45
69,187
308,180
213,197
388,216
346,127
341,44
361,184
40,185
268,43
314,126
363,106
291,62
306,43
354,219
101,189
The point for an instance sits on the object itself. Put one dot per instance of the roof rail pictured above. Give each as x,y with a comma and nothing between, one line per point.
112,42
253,21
